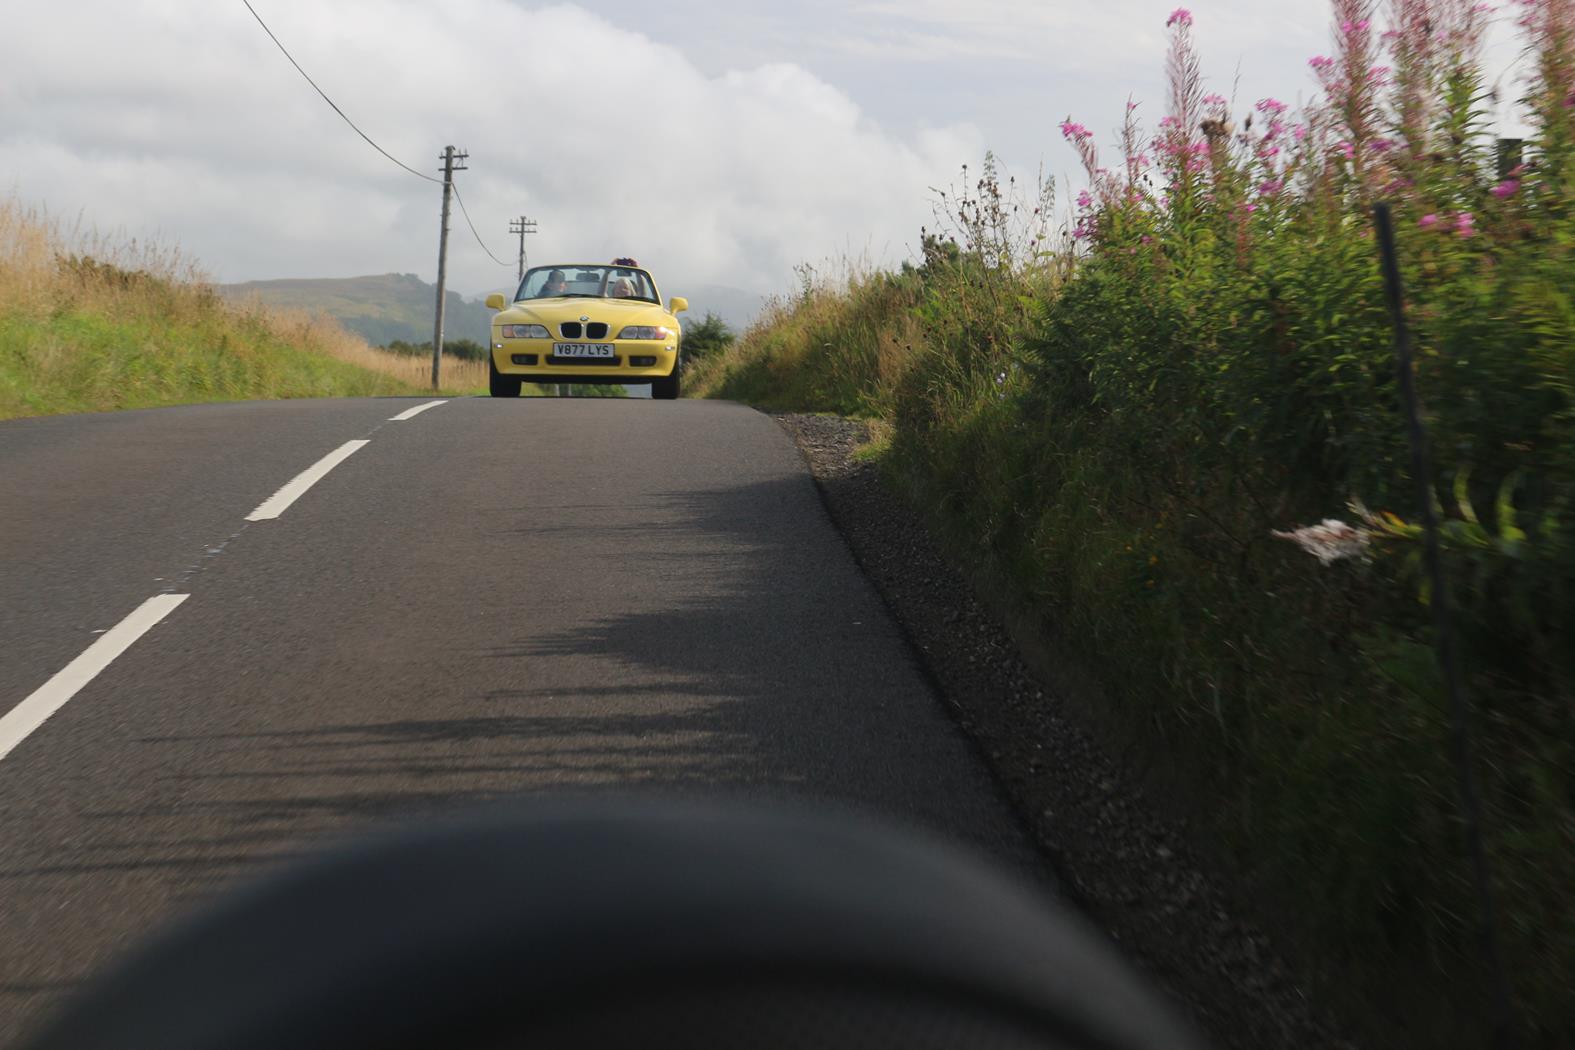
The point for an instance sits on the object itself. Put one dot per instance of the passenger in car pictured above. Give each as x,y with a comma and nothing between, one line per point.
621,288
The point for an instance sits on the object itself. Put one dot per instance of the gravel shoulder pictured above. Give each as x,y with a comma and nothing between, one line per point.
1128,863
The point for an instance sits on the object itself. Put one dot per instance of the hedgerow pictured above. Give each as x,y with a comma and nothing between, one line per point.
1150,426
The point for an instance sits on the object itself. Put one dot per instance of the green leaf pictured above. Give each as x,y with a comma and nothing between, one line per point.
1504,510
1463,495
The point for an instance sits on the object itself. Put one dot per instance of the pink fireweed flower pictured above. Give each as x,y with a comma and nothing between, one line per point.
1346,148
1321,62
1299,132
1428,221
1085,199
1251,208
1330,541
1354,27
1168,122
1074,131
1180,16
1465,225
1215,100
1270,187
1379,75
1270,105
1506,188
1382,145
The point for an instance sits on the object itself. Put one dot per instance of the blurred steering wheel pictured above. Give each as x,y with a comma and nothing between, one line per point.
644,925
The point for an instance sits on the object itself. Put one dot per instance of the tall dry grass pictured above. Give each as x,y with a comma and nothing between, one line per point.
322,332
34,281
809,350
92,321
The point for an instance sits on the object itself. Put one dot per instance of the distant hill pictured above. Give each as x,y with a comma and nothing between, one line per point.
392,306
733,305
380,308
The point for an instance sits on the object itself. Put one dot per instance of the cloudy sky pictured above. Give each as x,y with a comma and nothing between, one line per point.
720,143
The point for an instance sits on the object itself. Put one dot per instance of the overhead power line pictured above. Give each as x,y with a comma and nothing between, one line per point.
472,226
336,109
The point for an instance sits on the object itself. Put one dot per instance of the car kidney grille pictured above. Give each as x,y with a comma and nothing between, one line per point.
596,330
570,329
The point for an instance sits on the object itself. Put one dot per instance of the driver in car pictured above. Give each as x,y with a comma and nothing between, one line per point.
556,284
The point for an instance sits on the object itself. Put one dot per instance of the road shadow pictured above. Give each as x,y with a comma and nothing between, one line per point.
736,651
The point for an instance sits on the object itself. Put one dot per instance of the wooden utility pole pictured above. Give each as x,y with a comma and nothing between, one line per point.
1500,995
452,161
522,226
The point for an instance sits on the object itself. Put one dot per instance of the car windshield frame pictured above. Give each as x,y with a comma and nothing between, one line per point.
608,273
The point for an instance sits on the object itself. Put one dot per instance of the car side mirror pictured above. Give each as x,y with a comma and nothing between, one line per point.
495,301
679,305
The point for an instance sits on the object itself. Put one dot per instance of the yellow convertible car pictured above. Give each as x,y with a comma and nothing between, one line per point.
591,323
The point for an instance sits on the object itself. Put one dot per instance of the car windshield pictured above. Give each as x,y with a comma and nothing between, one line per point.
592,282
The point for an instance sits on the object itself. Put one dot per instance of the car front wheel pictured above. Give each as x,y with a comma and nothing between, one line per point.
499,385
667,389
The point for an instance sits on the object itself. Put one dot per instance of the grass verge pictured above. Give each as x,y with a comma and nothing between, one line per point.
87,326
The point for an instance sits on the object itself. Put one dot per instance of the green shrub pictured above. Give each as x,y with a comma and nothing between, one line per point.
1128,427
707,337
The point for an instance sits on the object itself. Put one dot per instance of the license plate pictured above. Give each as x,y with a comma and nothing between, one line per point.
582,350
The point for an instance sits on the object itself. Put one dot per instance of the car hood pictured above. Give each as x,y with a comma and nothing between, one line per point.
612,311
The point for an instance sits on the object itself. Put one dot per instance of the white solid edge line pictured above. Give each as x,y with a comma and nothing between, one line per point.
411,413
293,490
21,720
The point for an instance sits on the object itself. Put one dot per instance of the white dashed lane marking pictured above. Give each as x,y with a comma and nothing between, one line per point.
50,697
411,413
20,722
280,501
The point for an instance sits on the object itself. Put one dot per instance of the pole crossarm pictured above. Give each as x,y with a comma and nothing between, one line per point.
522,226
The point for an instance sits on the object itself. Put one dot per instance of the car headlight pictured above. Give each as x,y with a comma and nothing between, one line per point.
645,331
524,331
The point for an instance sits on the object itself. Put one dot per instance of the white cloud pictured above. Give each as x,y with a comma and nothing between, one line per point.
718,143
187,121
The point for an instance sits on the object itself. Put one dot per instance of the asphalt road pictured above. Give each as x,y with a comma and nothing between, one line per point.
490,597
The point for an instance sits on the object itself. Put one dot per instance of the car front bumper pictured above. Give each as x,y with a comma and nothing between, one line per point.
635,361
